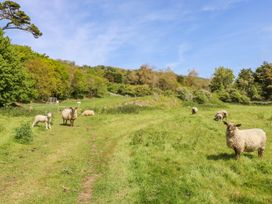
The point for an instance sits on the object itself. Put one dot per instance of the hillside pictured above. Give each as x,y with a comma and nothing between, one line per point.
155,154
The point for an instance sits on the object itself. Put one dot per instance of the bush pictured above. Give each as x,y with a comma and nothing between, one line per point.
130,90
23,134
224,96
201,96
237,97
184,94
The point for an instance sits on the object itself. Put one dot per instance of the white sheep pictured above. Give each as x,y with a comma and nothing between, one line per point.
69,114
88,113
247,140
43,119
220,115
194,110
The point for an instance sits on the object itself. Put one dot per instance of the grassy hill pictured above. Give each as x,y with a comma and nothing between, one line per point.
158,153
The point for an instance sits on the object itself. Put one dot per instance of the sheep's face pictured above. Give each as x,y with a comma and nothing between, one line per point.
231,127
218,117
73,112
49,115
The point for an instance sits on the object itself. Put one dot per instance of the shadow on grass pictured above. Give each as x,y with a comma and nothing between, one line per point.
226,156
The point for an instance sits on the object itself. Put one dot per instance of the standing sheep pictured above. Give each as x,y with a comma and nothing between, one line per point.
194,110
88,113
220,115
247,140
69,114
44,119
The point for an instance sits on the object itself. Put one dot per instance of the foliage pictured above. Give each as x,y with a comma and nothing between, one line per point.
23,134
16,18
245,82
233,95
222,79
15,83
184,94
201,96
263,77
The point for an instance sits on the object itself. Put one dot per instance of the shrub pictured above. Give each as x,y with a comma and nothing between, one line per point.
224,96
184,94
237,97
23,134
201,96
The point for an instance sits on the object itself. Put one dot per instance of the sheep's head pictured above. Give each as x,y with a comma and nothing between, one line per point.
231,127
49,115
73,112
218,116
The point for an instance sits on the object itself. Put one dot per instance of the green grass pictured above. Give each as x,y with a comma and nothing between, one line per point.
155,154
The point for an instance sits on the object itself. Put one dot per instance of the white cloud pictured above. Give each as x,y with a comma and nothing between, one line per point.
72,30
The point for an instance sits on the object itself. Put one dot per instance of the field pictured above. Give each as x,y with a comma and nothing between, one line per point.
130,154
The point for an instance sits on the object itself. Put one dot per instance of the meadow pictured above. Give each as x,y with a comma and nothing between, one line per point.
155,153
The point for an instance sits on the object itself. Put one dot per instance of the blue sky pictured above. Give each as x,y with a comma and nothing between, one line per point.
180,34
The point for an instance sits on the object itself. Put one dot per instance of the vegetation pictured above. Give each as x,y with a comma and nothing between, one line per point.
162,154
15,18
24,134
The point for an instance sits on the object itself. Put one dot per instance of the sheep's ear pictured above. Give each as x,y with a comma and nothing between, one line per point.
71,107
225,123
76,108
238,125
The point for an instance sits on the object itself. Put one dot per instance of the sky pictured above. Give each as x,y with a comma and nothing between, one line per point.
180,34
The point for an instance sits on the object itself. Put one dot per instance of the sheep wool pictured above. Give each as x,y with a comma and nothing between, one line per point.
247,140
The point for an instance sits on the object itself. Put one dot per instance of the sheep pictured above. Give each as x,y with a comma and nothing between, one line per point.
88,113
247,140
220,115
69,114
194,110
44,119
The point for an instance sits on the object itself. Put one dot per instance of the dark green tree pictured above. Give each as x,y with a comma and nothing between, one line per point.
15,18
15,84
222,79
245,82
263,77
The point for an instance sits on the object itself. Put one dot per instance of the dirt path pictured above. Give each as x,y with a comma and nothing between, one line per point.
86,195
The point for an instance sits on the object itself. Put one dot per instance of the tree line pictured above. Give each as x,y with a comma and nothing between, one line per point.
26,75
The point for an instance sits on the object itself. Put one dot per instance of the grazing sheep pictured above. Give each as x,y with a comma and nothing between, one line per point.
247,140
88,113
194,110
220,115
44,119
69,114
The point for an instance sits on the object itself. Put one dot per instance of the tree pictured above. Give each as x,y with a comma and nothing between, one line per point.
222,79
245,82
263,77
147,76
15,83
15,18
79,84
191,78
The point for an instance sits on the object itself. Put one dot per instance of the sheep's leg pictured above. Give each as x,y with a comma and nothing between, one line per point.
260,152
34,123
46,125
72,123
237,153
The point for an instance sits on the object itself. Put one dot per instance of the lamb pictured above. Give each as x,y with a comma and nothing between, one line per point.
220,115
247,140
44,119
69,114
88,113
194,110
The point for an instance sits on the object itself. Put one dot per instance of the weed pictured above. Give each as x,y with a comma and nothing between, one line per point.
23,134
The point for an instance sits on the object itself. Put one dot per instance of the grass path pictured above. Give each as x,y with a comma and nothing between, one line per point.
157,156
